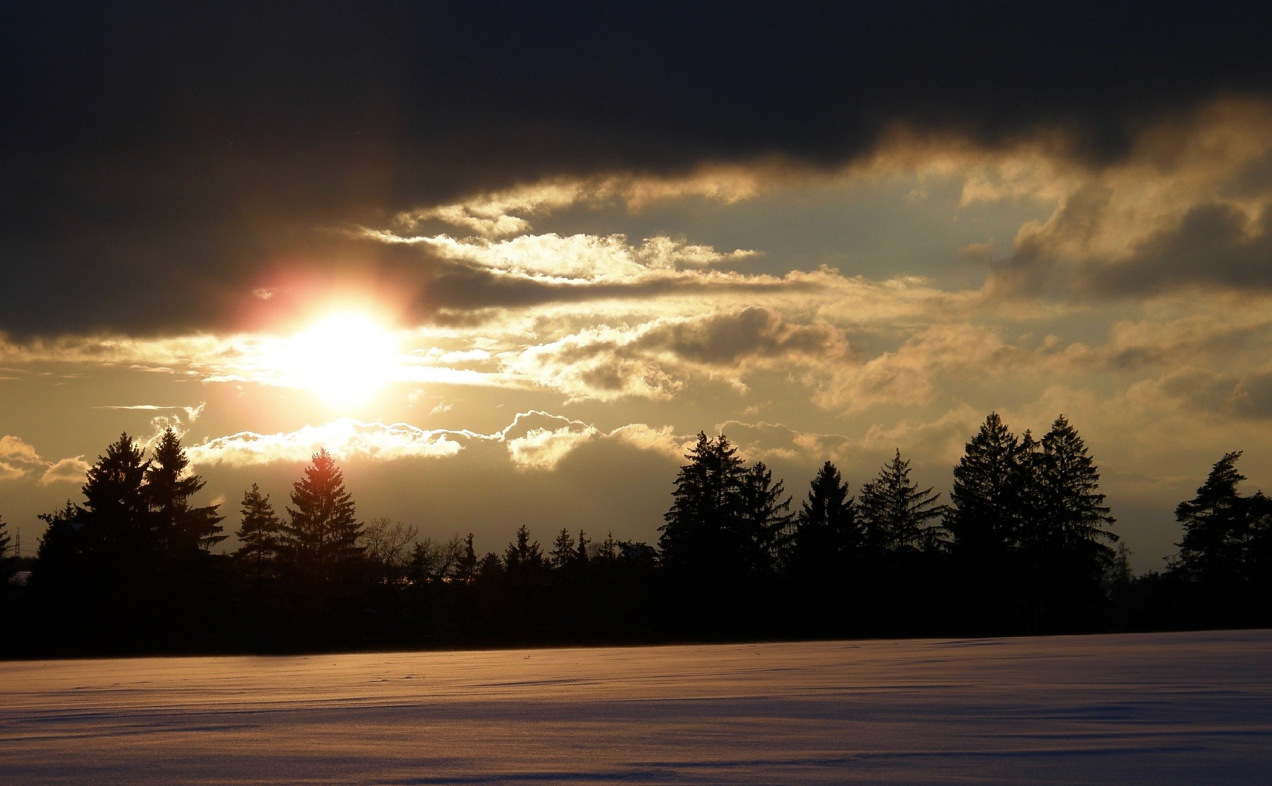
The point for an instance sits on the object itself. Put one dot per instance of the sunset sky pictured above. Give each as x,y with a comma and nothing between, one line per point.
505,261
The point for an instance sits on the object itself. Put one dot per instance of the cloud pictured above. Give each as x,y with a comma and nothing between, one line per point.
16,449
655,360
1245,396
1214,245
909,375
192,200
10,472
19,459
1191,204
538,440
68,470
343,438
758,333
575,258
502,213
663,440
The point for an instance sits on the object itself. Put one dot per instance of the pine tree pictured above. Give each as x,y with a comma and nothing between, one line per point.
321,539
823,559
8,564
1070,514
984,520
894,512
97,570
466,568
825,533
259,531
1064,546
523,554
1216,526
563,550
763,520
117,510
706,504
991,490
181,528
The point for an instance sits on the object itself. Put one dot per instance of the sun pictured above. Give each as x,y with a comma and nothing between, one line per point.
344,359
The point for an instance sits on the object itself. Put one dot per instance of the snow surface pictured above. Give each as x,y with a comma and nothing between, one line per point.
1152,708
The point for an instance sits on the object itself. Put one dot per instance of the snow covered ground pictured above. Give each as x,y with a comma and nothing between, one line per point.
1154,709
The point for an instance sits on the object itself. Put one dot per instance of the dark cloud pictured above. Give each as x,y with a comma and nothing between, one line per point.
1213,245
1248,396
154,158
725,339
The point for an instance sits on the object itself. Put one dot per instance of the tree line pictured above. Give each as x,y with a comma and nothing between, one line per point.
1023,545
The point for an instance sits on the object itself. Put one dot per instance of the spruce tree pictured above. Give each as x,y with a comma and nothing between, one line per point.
823,558
259,530
1070,514
321,538
118,518
466,568
825,535
523,554
96,576
763,521
705,508
169,486
1065,546
562,550
894,512
1216,524
8,563
1225,557
984,519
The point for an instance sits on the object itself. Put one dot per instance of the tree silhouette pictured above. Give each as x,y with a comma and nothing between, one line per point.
1065,545
97,564
118,507
763,520
321,539
563,550
988,502
7,566
523,554
1225,555
259,530
986,498
719,538
1216,524
389,546
822,554
256,560
181,528
705,507
321,556
466,568
895,513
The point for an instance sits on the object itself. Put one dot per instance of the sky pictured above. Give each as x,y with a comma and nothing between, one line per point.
505,261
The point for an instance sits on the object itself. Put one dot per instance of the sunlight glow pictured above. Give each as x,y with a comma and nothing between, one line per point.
345,359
